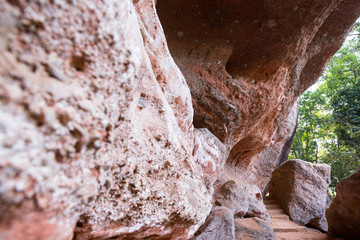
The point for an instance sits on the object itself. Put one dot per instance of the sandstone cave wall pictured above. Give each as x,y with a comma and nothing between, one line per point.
103,135
247,62
96,122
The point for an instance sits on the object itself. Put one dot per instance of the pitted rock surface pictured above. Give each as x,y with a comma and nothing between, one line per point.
243,200
102,134
247,62
96,126
219,225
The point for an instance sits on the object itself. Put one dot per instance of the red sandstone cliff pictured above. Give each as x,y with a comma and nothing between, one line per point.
103,134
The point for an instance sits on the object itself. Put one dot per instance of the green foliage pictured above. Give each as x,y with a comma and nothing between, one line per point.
329,117
312,126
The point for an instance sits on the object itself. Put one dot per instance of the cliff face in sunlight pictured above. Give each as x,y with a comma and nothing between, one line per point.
105,132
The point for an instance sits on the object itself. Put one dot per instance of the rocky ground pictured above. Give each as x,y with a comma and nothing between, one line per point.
286,229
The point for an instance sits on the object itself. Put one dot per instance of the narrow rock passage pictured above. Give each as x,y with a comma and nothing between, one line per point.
286,229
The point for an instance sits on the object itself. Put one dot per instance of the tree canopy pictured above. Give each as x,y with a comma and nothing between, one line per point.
329,116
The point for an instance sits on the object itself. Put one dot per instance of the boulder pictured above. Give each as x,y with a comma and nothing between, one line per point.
241,203
253,228
343,215
243,200
301,189
219,225
210,155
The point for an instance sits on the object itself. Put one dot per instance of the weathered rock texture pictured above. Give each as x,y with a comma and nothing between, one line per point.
253,228
260,170
243,200
247,62
239,213
219,225
96,126
97,138
343,215
301,189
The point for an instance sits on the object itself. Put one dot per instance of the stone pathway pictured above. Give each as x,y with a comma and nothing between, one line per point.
285,229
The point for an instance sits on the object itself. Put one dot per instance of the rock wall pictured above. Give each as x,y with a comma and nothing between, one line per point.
103,135
246,63
96,126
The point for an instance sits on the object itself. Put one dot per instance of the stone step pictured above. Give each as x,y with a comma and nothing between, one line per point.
279,216
284,225
276,211
308,235
285,229
290,229
273,206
